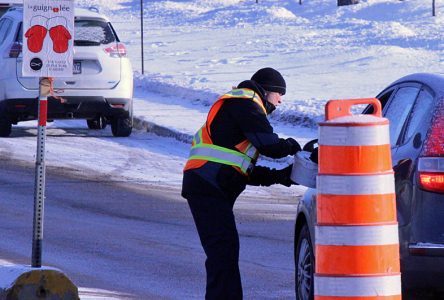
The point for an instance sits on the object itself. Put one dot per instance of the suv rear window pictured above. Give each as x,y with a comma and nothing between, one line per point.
93,33
88,33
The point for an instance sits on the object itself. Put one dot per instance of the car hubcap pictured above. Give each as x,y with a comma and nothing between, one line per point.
304,270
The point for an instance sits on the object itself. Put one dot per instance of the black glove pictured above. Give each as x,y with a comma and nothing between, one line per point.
283,176
294,146
265,176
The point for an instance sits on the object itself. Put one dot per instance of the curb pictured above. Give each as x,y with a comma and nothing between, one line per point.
161,130
26,283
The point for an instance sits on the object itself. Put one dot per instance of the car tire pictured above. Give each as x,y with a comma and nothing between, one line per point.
96,123
122,127
5,128
304,266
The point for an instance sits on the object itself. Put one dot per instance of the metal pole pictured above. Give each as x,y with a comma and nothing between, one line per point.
433,8
39,192
141,33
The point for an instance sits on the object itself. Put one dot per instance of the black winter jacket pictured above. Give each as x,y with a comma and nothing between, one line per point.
239,119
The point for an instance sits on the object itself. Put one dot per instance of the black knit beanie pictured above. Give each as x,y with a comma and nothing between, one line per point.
271,80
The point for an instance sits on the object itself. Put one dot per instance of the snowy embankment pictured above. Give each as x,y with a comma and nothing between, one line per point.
196,50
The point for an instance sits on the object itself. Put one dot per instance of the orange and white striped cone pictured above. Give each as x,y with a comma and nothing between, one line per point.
356,235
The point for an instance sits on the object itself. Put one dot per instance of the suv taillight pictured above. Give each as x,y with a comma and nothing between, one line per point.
431,162
117,50
15,50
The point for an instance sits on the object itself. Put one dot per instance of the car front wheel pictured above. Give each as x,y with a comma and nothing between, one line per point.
121,127
304,263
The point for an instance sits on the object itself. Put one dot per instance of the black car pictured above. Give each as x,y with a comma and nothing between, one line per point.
414,106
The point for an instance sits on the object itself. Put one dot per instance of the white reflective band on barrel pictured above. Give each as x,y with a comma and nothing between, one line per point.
354,135
355,185
357,286
357,235
234,158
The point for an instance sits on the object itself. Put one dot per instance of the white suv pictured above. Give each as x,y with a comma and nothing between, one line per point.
100,90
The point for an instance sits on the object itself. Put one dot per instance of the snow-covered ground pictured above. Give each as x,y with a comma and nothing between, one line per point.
197,49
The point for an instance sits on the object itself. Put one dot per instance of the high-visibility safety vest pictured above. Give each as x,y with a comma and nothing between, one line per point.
203,149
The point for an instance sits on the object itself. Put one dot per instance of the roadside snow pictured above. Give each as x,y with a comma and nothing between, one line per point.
196,50
10,272
324,52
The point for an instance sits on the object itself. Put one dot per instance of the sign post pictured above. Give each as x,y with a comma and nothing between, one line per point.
48,30
141,34
40,170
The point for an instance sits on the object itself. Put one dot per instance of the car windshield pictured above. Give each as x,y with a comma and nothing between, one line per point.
92,33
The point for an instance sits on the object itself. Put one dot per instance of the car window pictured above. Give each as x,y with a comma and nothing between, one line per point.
5,28
418,114
398,110
385,97
382,98
92,33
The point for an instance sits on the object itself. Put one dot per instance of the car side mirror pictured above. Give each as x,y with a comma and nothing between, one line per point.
311,145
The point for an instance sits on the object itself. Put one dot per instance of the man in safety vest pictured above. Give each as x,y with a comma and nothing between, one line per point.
222,162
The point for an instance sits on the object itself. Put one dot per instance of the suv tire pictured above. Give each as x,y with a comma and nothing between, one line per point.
5,128
96,123
304,266
122,127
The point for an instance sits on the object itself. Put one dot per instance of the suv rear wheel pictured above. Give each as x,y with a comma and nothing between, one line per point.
5,127
304,263
122,127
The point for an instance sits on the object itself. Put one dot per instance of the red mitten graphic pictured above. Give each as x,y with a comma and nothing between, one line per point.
36,35
60,37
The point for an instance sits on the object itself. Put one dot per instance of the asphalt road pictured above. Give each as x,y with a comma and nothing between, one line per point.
139,242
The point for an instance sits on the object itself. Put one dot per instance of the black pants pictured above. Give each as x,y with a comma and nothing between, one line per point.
212,211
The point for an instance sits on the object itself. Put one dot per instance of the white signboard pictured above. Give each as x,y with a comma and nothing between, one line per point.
48,36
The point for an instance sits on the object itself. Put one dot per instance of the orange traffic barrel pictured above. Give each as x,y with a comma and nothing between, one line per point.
356,234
